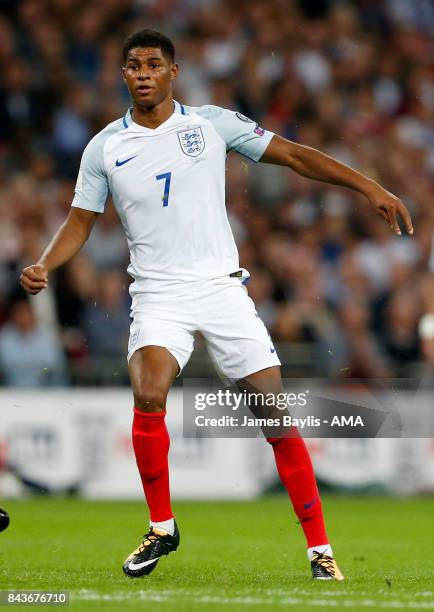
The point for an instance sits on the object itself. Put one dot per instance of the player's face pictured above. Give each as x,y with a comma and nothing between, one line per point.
149,74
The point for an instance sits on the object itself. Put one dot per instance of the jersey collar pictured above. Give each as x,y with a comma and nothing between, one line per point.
128,119
178,108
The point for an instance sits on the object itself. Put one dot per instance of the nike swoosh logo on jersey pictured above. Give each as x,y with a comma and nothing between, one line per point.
136,566
121,163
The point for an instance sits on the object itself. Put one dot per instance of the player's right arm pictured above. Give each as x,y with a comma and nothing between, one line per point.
90,197
67,241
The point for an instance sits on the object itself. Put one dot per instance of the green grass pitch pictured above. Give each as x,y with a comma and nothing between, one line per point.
233,555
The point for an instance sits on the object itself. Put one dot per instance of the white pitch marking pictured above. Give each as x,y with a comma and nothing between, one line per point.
170,595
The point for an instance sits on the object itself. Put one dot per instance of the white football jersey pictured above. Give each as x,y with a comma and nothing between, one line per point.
168,187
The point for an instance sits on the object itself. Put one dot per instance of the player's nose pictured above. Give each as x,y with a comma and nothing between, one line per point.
143,74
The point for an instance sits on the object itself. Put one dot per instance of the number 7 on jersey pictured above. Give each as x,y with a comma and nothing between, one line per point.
166,176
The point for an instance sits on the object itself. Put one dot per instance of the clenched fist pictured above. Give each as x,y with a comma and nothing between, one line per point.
34,278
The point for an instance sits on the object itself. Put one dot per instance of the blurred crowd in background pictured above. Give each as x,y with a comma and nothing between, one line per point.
354,79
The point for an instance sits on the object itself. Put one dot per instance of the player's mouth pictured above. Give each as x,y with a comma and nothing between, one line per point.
144,89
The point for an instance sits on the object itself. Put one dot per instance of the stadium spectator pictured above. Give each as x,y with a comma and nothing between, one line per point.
426,324
30,353
106,320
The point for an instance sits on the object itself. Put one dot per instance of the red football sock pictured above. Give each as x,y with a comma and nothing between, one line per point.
296,473
151,446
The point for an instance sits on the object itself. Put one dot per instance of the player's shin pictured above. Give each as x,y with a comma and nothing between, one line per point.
296,473
151,446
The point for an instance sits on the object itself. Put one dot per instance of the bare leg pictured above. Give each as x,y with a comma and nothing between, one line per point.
152,370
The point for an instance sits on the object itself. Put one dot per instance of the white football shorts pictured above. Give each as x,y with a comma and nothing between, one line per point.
238,341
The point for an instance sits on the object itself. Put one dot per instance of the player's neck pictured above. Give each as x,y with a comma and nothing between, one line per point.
154,116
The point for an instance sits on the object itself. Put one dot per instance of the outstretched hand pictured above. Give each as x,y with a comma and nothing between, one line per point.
34,278
390,207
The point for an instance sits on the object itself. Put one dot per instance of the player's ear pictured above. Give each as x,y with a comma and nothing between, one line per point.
174,71
123,75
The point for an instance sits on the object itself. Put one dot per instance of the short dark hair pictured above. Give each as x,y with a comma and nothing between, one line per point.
149,38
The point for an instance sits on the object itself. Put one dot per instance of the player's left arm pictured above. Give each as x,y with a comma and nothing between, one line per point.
313,164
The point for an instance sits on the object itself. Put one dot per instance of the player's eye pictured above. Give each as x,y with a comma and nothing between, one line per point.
155,65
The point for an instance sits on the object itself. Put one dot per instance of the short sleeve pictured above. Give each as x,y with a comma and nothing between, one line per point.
91,189
240,133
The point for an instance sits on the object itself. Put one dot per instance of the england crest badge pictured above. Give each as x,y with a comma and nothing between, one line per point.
192,141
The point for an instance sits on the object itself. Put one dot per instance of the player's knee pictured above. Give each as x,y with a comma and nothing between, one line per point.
150,398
